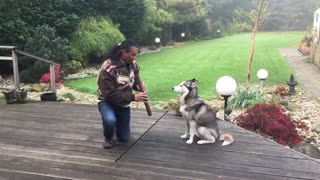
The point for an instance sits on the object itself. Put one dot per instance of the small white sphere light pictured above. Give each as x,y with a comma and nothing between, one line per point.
262,74
226,86
183,34
157,40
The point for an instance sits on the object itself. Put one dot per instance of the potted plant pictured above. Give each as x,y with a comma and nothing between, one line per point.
305,44
15,96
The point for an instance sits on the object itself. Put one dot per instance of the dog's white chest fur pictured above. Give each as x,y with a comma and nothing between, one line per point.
185,113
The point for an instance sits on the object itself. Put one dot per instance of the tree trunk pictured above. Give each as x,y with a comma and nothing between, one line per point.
254,31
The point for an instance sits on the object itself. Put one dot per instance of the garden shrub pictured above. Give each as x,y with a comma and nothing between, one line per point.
275,99
72,66
45,78
281,91
93,39
45,44
271,122
69,96
307,40
245,98
27,76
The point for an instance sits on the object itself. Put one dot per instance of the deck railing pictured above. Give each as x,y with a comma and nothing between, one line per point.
14,59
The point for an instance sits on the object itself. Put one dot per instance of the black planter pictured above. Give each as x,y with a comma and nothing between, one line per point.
21,97
48,97
10,97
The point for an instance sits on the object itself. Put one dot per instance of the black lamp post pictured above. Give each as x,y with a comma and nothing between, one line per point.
226,86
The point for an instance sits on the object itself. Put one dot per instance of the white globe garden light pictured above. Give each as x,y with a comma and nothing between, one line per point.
226,86
262,75
183,34
157,40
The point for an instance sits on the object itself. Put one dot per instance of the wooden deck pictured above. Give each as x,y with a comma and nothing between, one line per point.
48,140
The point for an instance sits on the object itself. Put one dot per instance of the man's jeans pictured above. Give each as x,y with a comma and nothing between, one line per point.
115,119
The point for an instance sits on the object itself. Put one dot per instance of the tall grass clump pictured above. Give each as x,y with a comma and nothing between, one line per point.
246,98
93,38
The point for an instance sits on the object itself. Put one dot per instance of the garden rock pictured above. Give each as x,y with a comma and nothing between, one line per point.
37,88
316,127
310,140
308,149
293,107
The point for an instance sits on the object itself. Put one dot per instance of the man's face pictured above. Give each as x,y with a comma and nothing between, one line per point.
130,56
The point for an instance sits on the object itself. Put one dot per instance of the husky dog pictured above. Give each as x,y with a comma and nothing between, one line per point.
201,120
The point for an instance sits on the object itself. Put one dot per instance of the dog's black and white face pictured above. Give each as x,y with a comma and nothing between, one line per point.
185,86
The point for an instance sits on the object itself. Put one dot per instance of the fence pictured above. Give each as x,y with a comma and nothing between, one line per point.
14,58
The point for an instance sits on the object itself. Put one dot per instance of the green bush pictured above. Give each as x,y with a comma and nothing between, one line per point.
245,98
27,76
45,44
39,68
69,96
93,38
72,66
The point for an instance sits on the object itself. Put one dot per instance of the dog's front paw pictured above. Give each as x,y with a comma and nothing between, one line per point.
190,141
184,136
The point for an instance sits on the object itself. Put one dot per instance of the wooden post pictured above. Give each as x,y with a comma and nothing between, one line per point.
53,79
15,69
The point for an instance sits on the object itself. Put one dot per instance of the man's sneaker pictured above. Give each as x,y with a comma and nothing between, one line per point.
108,144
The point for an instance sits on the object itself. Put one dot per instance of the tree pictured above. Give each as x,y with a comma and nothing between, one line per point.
253,19
184,13
44,43
93,38
153,22
289,15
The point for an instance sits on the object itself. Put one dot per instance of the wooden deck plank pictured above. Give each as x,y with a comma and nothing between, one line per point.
49,140
163,143
73,170
219,171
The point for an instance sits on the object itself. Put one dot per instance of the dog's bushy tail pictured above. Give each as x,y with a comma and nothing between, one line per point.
226,138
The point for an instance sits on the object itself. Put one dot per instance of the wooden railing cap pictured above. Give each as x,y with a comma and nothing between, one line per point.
8,47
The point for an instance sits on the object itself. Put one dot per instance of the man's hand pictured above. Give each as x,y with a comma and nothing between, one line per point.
144,87
141,96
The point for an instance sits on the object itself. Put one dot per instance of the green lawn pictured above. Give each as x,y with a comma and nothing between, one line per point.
207,61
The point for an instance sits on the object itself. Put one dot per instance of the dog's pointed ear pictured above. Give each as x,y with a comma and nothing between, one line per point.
194,82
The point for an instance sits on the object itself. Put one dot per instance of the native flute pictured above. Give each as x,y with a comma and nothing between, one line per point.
137,76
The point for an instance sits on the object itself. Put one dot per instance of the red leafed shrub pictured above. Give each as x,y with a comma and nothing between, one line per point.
281,91
47,79
271,122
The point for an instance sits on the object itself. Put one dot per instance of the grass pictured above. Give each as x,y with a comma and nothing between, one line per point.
207,61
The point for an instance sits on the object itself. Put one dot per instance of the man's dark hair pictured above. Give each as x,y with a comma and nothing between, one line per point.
115,51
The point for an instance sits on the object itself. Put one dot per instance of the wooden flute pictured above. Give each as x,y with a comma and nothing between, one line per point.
137,76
